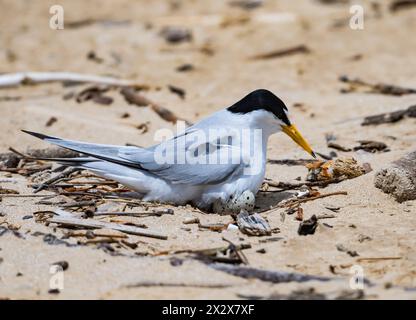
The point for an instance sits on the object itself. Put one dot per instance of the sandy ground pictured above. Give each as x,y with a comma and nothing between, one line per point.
134,50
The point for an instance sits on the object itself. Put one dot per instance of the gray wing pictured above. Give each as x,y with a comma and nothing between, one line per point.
198,171
188,160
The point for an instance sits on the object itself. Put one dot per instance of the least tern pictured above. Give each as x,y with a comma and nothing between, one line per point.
196,166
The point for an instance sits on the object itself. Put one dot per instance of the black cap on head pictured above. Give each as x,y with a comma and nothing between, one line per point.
261,99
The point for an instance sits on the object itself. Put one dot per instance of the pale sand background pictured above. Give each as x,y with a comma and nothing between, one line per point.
387,45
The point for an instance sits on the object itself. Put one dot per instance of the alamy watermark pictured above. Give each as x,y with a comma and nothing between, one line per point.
357,277
56,21
56,281
357,18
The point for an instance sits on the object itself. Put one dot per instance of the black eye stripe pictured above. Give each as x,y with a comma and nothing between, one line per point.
261,99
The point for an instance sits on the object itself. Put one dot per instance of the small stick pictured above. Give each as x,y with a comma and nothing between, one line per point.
23,195
288,185
101,240
281,53
68,185
67,172
321,196
136,214
98,183
97,233
24,78
290,162
296,202
78,204
89,223
237,251
26,171
378,259
79,193
24,156
208,251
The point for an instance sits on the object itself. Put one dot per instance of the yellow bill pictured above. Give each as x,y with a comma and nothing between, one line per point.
293,132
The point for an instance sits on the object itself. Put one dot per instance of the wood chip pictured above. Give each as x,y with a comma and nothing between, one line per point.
282,52
390,117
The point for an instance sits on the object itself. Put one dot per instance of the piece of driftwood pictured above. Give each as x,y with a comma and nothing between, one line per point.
371,146
30,78
267,275
399,178
94,224
253,225
357,85
390,117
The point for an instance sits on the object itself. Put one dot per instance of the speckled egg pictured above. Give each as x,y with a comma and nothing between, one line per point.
244,201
